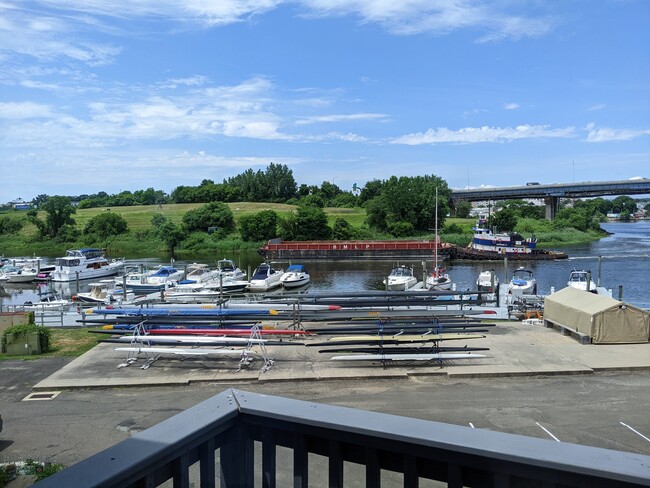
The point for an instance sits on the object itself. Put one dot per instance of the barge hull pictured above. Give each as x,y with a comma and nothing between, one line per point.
351,250
476,255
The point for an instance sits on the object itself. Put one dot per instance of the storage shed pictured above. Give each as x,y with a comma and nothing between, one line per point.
603,319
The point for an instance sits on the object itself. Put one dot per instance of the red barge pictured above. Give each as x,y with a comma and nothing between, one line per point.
277,249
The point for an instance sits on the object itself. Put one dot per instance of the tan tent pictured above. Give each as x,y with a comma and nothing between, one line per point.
605,320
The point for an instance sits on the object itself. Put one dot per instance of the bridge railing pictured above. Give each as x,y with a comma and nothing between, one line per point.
237,439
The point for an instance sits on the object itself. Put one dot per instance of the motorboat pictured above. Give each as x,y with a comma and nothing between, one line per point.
228,269
400,279
296,275
265,278
581,280
83,264
152,281
103,292
523,282
438,280
487,281
49,303
199,273
14,274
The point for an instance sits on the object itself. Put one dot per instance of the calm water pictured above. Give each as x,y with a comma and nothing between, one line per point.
625,261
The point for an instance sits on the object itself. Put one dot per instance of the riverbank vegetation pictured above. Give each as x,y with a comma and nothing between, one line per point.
243,212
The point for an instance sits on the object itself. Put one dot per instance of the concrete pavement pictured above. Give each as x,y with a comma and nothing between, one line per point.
515,350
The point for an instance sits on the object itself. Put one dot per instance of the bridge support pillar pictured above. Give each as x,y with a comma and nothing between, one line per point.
551,207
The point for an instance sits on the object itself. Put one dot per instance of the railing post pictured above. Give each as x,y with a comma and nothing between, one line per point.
300,462
181,471
207,461
373,478
268,460
237,459
335,465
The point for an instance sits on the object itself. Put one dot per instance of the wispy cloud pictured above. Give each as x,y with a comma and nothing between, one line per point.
511,106
436,17
339,118
598,106
51,29
606,134
472,135
24,110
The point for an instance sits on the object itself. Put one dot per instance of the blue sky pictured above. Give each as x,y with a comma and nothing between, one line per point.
120,95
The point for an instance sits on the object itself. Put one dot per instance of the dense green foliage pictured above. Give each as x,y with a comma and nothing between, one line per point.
59,212
307,223
105,225
9,225
406,205
215,214
123,199
259,227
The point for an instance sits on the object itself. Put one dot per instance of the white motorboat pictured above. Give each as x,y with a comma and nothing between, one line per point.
523,282
438,280
296,275
581,280
103,292
487,281
49,303
158,279
83,264
265,278
199,273
228,269
400,279
20,275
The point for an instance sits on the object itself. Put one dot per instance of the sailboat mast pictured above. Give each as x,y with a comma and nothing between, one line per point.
435,226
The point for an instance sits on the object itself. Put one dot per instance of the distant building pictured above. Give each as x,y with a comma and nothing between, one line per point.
20,204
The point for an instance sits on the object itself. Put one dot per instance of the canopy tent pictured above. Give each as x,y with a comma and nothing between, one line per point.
605,320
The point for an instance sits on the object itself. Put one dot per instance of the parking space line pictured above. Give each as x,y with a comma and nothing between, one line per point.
547,431
634,430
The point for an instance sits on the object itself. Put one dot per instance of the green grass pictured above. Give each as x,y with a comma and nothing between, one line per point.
64,342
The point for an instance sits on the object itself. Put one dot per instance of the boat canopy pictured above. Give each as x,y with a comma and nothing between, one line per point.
296,268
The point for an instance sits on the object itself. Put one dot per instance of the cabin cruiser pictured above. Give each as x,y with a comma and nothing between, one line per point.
265,278
581,280
523,282
296,275
487,281
84,264
199,273
438,280
400,279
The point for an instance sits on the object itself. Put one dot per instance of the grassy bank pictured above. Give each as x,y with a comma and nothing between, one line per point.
141,240
64,342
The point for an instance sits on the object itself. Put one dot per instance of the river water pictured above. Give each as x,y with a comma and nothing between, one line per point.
623,258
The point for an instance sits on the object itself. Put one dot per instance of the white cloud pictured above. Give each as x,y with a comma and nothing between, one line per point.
598,106
435,16
608,135
338,118
471,135
24,110
511,106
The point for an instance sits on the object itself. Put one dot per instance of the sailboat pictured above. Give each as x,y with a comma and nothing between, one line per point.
438,279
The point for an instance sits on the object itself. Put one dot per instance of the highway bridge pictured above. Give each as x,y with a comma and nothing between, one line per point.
551,194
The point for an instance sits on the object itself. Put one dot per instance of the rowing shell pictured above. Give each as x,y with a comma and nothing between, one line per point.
405,357
395,339
187,352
